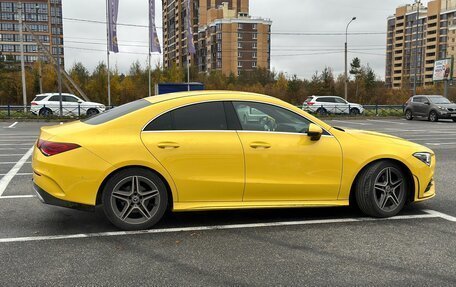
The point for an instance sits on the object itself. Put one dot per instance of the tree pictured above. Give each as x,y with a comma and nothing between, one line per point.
355,70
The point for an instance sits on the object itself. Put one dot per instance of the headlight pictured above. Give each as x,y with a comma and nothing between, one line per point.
443,108
424,157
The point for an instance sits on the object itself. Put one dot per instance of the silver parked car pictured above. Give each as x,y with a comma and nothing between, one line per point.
431,107
324,105
49,104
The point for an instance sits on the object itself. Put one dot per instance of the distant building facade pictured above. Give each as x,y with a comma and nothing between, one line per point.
43,17
414,45
226,38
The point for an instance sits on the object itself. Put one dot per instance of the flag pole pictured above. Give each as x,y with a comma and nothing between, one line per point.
108,46
188,71
150,91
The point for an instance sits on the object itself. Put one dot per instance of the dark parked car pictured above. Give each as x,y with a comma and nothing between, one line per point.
430,107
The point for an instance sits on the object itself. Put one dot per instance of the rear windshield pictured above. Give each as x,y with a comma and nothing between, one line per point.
117,112
39,98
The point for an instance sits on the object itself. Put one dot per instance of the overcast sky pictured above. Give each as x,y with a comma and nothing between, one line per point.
294,54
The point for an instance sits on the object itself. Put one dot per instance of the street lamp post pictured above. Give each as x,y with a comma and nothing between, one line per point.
21,44
346,58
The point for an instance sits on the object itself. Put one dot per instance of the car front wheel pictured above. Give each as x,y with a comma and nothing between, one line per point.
134,199
381,189
408,115
92,112
433,117
355,112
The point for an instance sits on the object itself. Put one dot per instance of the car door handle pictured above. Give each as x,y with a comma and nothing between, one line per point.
168,145
260,145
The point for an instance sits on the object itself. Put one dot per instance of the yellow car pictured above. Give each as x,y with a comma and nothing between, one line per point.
192,151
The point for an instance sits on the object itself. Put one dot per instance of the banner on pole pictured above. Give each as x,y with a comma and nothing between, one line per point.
154,42
190,44
113,11
443,70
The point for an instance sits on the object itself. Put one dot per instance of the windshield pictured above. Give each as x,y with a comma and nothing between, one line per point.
439,100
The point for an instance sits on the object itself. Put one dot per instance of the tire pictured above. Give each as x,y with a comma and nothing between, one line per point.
408,115
381,189
134,199
355,112
45,112
92,112
322,111
433,117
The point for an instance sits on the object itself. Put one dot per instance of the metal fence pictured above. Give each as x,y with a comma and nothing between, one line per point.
347,110
76,112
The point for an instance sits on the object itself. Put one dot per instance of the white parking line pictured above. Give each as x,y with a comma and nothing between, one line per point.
17,196
12,154
9,148
440,214
5,180
216,227
439,144
11,126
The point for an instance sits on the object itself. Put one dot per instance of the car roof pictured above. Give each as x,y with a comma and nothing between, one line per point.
230,94
429,96
326,96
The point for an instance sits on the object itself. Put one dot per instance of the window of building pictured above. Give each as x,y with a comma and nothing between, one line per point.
254,45
239,64
254,36
240,26
239,45
254,55
254,26
254,64
239,55
239,36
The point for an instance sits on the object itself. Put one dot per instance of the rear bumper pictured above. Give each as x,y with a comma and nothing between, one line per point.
46,198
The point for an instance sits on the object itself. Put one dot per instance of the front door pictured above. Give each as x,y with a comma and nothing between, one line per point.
282,163
203,157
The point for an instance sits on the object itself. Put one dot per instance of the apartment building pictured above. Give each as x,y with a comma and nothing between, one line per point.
43,17
226,37
417,36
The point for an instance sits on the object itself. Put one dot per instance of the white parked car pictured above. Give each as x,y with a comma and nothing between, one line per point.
331,105
49,104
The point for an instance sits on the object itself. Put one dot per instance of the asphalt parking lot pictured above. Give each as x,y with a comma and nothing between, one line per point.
45,245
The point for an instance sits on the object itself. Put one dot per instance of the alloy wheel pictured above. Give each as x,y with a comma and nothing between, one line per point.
389,189
135,200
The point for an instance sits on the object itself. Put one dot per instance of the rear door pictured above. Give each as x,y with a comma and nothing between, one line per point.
341,106
200,150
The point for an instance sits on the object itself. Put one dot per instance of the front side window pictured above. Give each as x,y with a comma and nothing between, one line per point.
70,99
265,117
419,100
198,117
55,99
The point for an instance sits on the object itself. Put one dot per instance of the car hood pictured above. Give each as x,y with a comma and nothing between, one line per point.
451,106
375,137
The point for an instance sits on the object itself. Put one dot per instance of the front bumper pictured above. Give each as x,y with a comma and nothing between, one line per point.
447,115
46,198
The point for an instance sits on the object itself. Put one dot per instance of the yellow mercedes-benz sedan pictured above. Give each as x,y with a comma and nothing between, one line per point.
223,150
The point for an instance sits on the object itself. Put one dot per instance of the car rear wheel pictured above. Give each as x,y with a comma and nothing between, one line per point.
433,117
408,115
92,112
354,112
454,120
45,112
381,189
134,199
322,111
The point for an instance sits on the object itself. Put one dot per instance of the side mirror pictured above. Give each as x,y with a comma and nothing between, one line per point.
314,132
427,103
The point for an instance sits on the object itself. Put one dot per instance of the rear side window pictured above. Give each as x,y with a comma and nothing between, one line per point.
198,117
39,98
55,99
309,99
117,112
325,100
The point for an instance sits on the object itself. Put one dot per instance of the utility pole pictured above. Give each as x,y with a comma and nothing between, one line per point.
346,58
21,39
418,3
59,73
107,62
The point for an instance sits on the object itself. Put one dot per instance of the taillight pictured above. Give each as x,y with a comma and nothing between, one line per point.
34,104
52,148
310,103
